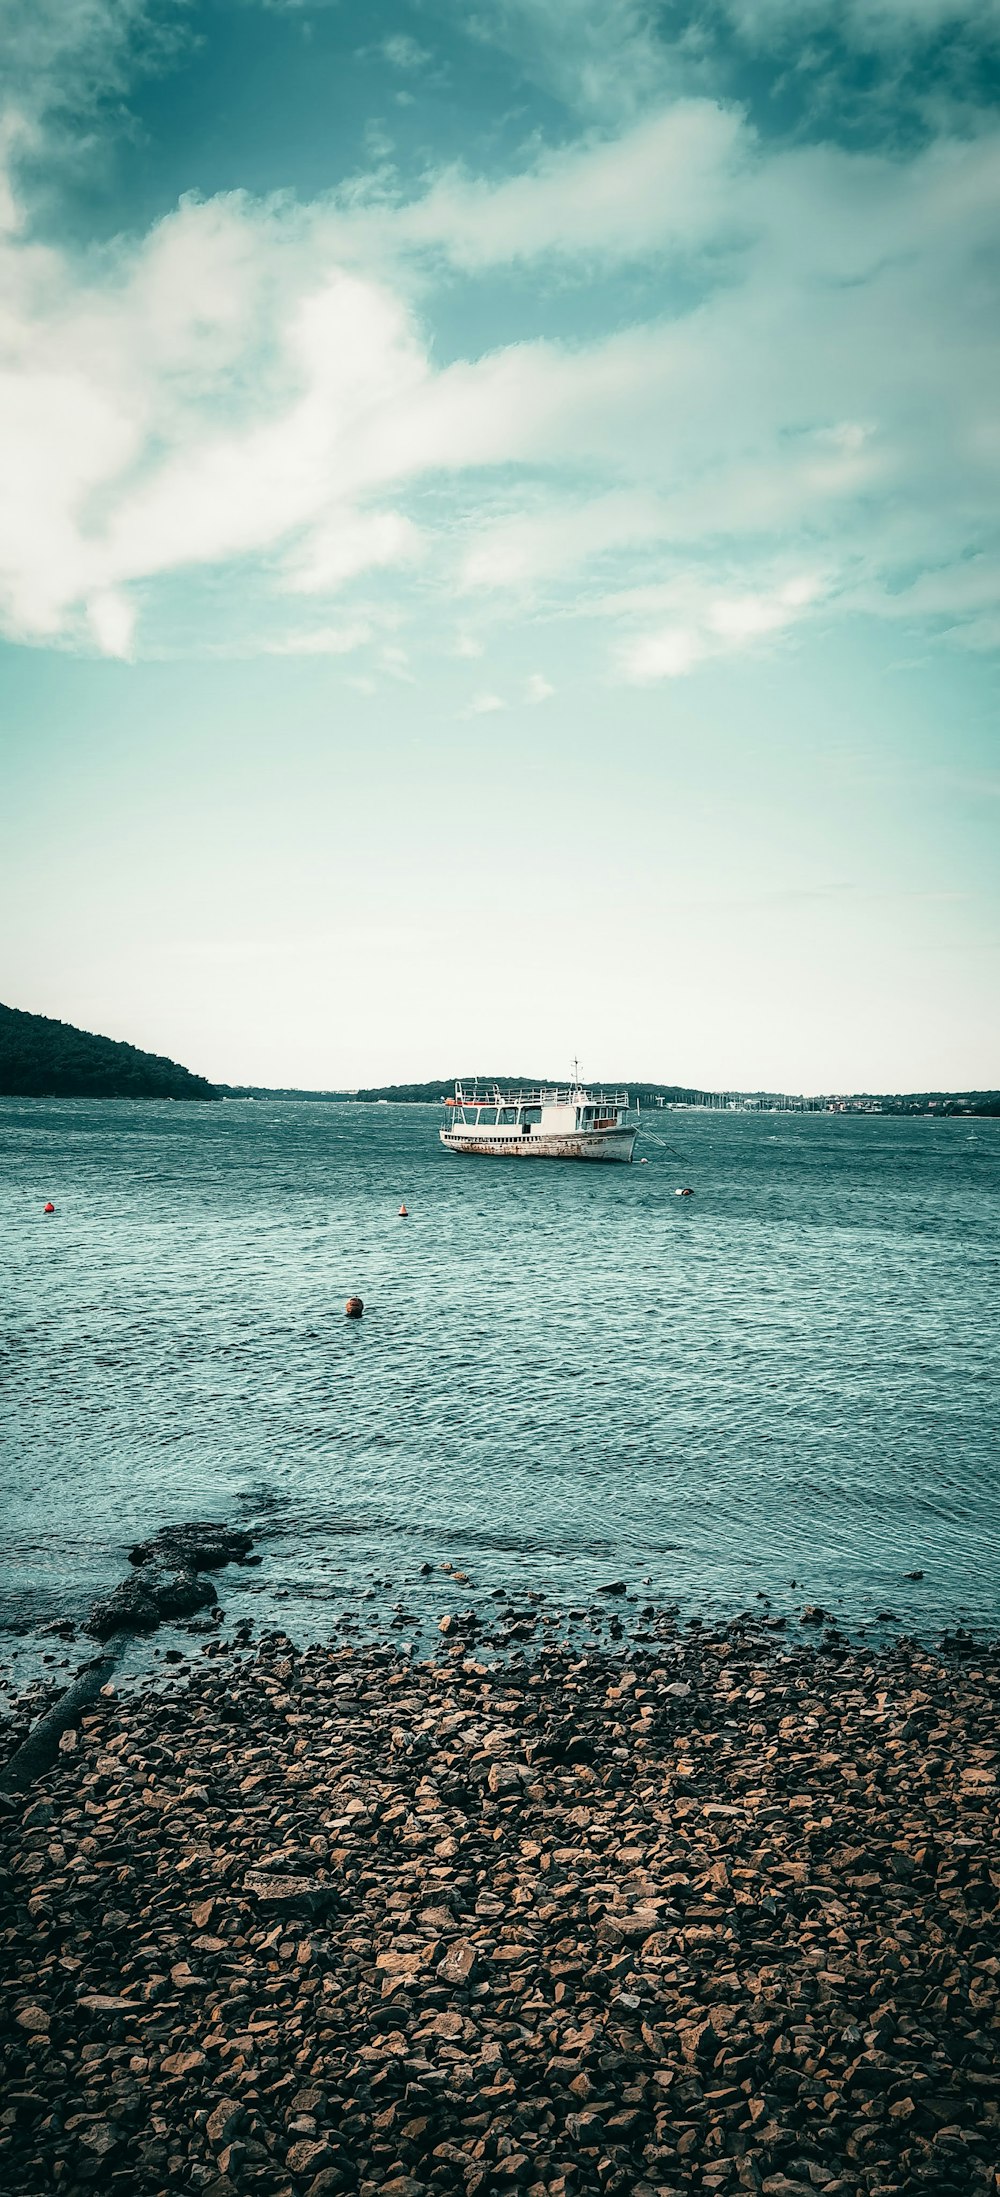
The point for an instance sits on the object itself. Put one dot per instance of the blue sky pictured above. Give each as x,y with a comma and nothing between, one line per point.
498,535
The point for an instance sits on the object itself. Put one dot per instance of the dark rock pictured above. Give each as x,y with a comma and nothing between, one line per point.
177,1594
288,1895
197,1547
142,1601
129,1608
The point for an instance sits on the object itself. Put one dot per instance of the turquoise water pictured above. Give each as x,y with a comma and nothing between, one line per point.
564,1374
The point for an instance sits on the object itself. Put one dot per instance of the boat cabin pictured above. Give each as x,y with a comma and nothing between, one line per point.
552,1112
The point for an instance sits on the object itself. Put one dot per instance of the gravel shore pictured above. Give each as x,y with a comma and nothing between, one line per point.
715,1913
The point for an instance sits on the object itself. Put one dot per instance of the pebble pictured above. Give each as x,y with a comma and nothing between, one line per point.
714,1914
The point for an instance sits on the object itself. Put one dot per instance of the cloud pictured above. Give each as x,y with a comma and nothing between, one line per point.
537,688
600,58
801,397
552,533
196,403
619,59
870,24
402,52
112,622
75,59
702,623
667,182
483,705
321,641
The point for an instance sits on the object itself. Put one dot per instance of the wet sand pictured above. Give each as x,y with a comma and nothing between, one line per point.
713,1913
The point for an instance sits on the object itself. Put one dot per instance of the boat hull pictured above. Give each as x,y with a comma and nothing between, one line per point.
594,1144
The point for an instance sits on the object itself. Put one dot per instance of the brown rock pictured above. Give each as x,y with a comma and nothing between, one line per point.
183,2063
100,2142
225,2122
807,1910
308,2156
287,1895
458,1963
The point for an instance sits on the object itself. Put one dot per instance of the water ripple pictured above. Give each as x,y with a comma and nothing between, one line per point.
792,1375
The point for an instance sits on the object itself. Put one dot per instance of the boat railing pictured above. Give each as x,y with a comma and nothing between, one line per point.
541,1095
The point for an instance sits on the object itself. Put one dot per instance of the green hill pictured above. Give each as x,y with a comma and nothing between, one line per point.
41,1058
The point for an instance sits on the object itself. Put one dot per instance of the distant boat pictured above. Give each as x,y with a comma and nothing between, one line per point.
546,1123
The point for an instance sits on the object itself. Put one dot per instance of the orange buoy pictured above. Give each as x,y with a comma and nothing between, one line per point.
354,1308
49,1208
403,1214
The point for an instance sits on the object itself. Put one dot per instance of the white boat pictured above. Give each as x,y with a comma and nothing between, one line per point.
547,1123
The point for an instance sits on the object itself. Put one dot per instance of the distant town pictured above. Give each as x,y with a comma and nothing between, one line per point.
667,1096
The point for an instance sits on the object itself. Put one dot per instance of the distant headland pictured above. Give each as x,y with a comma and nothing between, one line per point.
649,1095
42,1058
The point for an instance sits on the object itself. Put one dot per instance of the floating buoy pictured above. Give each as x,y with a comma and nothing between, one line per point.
354,1308
403,1214
684,1193
49,1208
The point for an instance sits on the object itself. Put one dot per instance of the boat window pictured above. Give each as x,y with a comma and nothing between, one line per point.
531,1113
508,1114
470,1116
487,1116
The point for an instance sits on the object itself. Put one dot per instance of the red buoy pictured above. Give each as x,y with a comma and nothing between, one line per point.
50,1208
403,1214
354,1308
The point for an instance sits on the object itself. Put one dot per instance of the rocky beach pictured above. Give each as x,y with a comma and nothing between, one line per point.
714,1911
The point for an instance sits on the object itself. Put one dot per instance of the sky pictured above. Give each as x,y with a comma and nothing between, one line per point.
500,536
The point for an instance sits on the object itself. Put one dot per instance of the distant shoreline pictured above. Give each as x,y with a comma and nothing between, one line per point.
938,1106
655,1096
46,1059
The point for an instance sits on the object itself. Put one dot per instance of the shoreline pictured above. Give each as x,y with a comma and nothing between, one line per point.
712,1912
563,1602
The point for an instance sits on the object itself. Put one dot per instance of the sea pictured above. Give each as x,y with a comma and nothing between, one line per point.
778,1392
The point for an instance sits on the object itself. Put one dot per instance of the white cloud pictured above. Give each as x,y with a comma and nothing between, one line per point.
552,533
255,384
620,58
598,55
483,705
867,23
403,52
112,622
347,543
667,182
537,688
74,60
321,641
701,623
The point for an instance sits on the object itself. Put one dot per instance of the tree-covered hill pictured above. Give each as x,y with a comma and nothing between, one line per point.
41,1058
